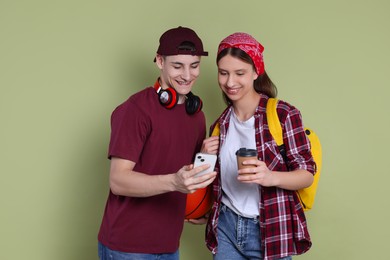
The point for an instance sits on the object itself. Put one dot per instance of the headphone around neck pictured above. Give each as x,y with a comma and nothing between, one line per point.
168,98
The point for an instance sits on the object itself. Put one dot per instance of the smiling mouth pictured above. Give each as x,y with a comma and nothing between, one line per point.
183,83
232,91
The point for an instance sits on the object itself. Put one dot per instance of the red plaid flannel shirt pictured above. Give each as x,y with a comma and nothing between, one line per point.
282,220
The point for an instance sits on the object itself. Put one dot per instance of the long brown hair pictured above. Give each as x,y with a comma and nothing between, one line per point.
263,84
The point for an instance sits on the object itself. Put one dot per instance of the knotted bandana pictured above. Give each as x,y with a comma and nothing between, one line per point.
249,45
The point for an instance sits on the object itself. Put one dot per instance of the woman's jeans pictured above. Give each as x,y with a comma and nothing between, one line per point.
238,237
107,254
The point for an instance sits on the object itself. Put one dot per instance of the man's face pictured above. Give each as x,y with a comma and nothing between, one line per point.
179,72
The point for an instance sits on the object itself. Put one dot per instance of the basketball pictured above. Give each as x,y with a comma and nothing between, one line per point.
198,203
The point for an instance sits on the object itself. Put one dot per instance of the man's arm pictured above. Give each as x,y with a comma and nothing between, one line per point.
126,182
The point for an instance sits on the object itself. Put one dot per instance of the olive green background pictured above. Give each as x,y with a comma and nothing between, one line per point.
65,65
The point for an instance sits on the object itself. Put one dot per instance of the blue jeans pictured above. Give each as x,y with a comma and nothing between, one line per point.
238,237
107,254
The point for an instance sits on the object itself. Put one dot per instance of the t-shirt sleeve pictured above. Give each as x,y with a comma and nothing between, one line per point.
130,128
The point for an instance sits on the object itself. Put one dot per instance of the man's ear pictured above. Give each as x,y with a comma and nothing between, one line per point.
159,61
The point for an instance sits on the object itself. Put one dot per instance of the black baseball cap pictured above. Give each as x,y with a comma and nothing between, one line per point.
173,38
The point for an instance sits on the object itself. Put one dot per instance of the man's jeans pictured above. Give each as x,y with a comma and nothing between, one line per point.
107,254
238,237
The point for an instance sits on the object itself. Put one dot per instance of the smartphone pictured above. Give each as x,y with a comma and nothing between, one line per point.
204,158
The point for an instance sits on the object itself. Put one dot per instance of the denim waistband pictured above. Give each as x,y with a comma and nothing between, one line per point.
226,208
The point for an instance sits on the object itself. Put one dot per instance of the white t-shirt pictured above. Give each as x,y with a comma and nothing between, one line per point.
242,198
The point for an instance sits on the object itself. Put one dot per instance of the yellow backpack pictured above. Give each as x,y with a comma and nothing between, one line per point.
306,195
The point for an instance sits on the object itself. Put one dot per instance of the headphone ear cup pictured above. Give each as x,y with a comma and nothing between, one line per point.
193,104
168,97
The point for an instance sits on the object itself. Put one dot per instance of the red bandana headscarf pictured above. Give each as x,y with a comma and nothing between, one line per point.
249,45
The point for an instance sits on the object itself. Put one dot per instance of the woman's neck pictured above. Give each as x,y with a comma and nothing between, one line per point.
245,109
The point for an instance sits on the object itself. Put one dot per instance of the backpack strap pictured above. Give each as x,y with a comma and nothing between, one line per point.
273,121
215,130
274,125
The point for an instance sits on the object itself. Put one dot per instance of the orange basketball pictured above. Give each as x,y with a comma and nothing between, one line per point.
198,203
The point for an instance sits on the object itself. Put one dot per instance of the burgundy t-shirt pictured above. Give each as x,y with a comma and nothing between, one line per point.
159,141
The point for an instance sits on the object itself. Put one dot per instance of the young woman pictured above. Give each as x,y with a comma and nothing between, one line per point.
256,214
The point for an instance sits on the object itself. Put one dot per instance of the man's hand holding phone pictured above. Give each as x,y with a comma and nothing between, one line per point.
202,159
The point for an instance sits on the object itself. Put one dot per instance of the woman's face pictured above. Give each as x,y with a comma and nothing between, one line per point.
235,78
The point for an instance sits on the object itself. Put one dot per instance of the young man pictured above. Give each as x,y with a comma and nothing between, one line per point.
154,137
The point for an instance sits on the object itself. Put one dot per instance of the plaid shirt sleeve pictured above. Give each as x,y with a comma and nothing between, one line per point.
294,137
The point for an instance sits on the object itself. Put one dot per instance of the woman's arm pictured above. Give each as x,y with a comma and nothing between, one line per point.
293,180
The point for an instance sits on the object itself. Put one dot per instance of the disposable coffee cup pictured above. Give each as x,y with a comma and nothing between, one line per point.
244,154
